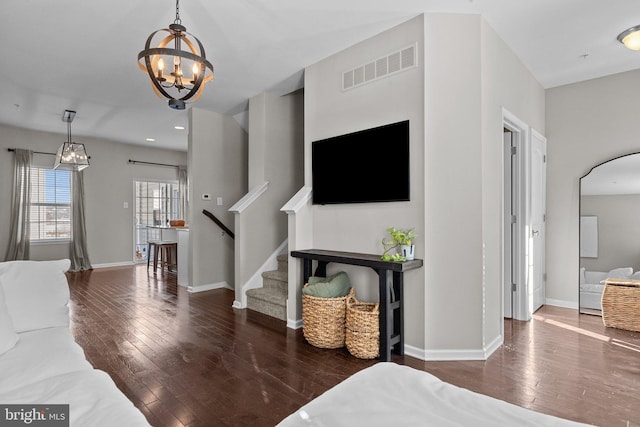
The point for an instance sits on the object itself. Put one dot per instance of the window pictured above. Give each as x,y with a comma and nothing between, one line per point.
50,214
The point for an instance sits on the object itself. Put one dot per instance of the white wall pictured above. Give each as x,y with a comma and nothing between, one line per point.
276,146
329,111
217,166
618,231
455,101
506,83
108,185
587,123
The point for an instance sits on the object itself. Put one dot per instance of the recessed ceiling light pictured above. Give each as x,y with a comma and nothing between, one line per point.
151,139
179,127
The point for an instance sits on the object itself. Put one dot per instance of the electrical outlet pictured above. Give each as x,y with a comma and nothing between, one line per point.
219,201
125,205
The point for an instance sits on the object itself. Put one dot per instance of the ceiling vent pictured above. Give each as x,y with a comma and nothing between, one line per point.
385,66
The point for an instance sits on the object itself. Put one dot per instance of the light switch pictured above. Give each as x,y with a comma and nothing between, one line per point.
219,201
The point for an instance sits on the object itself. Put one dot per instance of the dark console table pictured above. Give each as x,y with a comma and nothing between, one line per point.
390,284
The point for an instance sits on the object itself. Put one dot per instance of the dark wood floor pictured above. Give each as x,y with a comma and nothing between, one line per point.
192,360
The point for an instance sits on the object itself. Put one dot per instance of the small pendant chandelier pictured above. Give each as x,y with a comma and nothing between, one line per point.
71,156
175,85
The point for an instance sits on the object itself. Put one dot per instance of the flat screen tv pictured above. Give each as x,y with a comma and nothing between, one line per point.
367,166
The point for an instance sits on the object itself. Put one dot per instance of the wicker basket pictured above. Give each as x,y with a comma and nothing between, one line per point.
363,330
323,320
621,304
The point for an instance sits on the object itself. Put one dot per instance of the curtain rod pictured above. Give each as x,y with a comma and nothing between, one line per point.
135,162
35,152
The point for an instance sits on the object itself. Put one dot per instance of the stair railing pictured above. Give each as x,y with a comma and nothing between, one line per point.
219,223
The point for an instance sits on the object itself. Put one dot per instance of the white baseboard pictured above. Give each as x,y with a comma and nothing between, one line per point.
294,324
114,264
443,355
207,287
453,355
561,303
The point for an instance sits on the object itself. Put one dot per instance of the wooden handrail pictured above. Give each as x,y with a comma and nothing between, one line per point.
213,218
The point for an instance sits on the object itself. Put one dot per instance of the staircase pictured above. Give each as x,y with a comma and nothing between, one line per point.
271,298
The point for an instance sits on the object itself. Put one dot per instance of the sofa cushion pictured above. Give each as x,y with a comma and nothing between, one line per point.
592,287
595,276
41,354
620,273
8,336
36,293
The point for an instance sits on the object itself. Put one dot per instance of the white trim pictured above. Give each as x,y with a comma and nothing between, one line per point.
521,133
249,198
207,287
255,281
115,264
442,355
561,303
294,324
298,201
493,346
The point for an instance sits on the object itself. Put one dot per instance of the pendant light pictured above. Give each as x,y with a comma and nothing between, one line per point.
71,156
166,65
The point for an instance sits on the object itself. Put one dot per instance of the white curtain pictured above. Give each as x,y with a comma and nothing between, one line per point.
18,248
78,253
183,188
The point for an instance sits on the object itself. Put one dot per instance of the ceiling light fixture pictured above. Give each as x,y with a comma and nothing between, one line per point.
174,85
71,156
630,38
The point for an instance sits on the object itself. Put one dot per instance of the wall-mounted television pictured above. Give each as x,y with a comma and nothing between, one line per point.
367,166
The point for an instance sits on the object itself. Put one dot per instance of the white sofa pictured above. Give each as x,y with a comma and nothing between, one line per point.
592,286
40,362
388,394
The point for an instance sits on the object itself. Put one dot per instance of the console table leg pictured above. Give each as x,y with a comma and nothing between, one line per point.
398,314
321,269
308,267
385,319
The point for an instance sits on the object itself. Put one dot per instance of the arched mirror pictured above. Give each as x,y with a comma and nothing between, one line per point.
609,227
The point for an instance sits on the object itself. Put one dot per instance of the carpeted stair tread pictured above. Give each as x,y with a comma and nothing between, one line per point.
269,301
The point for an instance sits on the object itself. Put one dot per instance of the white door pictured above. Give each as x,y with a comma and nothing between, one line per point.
537,269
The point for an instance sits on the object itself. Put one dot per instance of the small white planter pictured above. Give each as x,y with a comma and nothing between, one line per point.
407,251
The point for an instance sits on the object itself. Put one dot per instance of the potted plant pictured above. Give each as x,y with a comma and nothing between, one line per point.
401,240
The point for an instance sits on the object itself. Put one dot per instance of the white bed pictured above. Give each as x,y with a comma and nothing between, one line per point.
387,394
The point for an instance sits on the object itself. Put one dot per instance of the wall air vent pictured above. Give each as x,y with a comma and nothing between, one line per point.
385,66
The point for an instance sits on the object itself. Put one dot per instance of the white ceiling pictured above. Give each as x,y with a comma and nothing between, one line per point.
82,55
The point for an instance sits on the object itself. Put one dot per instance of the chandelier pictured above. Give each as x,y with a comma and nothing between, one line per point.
71,156
185,52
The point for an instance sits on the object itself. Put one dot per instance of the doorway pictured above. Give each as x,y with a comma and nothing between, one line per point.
524,218
155,203
510,242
